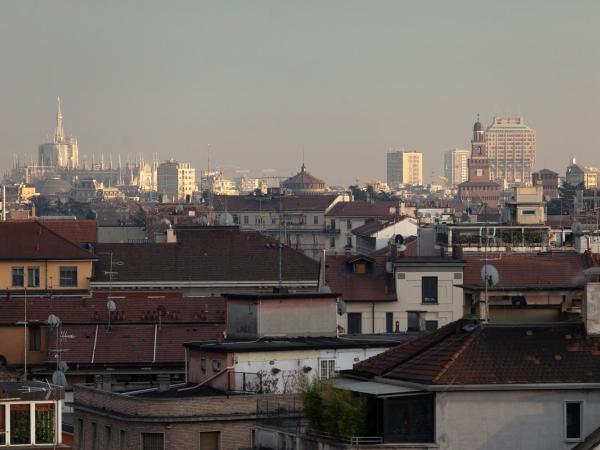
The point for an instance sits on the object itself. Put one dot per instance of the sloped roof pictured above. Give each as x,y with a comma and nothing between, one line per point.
479,355
207,254
302,178
286,203
543,270
376,210
132,307
32,240
372,286
78,231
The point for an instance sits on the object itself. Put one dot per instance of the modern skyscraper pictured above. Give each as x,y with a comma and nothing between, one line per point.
176,181
479,189
62,151
404,168
511,150
456,169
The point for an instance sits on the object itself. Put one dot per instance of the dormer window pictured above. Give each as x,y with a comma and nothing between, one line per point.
360,267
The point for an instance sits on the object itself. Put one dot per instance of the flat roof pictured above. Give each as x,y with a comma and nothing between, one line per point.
371,387
278,295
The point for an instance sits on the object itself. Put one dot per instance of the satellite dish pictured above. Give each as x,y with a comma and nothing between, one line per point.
399,239
226,219
3,361
341,307
59,379
577,229
53,320
203,221
490,275
324,289
63,366
111,306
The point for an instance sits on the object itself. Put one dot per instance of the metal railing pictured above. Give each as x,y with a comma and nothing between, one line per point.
351,440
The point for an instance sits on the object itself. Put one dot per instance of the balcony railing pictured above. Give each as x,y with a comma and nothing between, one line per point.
350,440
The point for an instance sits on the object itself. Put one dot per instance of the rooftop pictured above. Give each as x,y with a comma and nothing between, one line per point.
376,210
464,353
284,203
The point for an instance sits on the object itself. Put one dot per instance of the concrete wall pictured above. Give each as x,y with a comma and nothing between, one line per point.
12,346
518,420
196,374
298,317
591,308
242,319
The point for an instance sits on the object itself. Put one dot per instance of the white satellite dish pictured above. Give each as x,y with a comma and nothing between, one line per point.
111,306
226,219
59,379
63,366
53,320
490,275
341,307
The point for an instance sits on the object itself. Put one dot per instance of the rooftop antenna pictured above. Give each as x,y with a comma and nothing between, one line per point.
490,277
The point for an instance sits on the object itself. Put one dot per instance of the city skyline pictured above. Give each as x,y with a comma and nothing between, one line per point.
345,87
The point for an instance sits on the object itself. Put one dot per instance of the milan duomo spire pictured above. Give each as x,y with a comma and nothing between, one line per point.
59,135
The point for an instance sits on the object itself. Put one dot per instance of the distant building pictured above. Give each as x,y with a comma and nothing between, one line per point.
526,206
479,188
303,183
456,169
577,174
549,181
176,181
511,149
404,167
62,151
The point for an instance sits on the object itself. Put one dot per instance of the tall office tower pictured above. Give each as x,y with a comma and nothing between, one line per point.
511,150
62,151
404,168
456,169
176,181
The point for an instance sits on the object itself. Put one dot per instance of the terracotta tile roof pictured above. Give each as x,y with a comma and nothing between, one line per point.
528,270
372,227
289,203
129,344
132,307
78,231
207,254
375,285
35,241
376,210
453,355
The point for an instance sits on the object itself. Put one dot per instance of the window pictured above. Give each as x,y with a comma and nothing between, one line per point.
33,277
80,435
17,277
94,437
246,220
326,369
333,224
20,424
216,365
409,419
528,212
458,276
332,242
349,242
122,440
107,436
68,276
354,323
203,363
389,322
429,289
416,321
35,338
44,423
153,441
401,276
573,415
349,224
316,220
431,325
210,440
360,267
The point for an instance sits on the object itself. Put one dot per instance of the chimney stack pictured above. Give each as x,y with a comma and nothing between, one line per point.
591,303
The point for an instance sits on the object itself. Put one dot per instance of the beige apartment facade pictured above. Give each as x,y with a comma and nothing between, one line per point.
511,148
456,169
404,167
176,181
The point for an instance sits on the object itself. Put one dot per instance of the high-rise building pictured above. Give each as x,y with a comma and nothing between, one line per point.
479,189
176,181
404,167
62,151
511,150
456,169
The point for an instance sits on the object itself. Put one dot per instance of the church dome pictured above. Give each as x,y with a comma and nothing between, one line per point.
478,126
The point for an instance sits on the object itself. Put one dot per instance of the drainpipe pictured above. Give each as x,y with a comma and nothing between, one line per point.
373,317
95,340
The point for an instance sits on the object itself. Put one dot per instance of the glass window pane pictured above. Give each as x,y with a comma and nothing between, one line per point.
18,276
44,423
20,424
153,441
68,276
2,425
573,420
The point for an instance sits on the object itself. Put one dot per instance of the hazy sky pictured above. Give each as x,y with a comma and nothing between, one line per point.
261,81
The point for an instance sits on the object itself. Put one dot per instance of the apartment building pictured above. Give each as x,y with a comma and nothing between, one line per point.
176,181
404,167
456,169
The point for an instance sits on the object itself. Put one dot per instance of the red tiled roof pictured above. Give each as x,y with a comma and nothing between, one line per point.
78,231
528,270
207,254
380,210
453,355
286,203
132,307
35,241
129,344
371,286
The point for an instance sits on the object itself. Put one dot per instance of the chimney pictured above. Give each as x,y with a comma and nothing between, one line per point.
171,239
591,303
164,382
107,382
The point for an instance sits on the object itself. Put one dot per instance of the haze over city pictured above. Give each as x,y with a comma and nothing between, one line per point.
265,82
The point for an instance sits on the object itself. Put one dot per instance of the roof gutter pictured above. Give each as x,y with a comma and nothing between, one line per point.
208,284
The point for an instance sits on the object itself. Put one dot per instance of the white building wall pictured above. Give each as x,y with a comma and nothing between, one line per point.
518,420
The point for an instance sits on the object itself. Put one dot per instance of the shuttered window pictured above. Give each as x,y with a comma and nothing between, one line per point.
153,441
